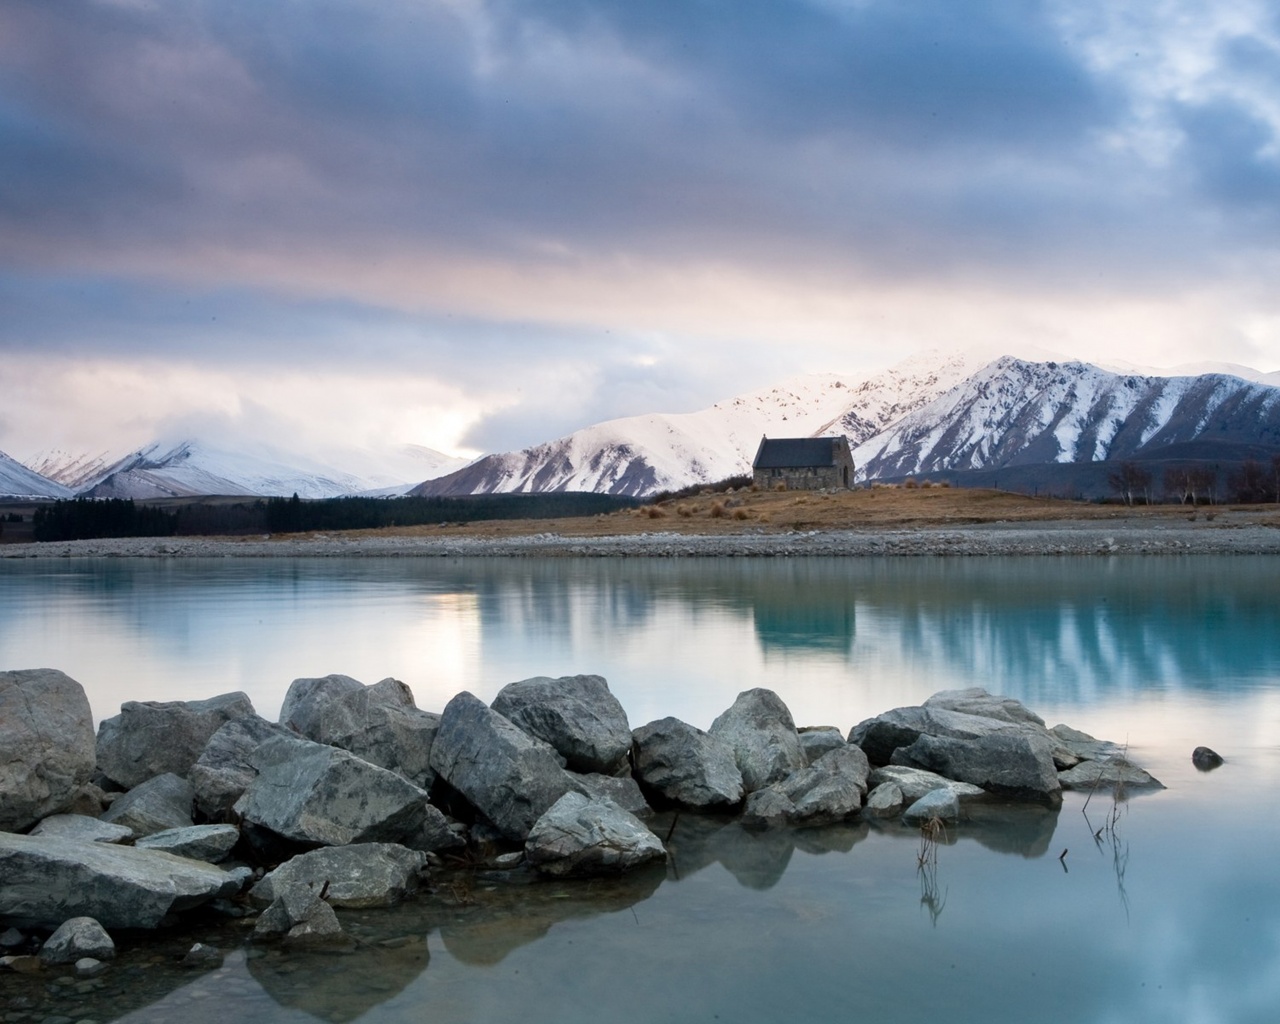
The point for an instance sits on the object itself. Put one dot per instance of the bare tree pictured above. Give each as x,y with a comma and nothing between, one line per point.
1248,484
1130,481
1203,481
1177,484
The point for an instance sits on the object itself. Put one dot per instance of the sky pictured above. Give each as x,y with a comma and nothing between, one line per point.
480,224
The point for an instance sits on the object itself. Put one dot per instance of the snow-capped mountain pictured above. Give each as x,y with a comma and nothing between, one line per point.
193,468
17,481
640,455
1014,412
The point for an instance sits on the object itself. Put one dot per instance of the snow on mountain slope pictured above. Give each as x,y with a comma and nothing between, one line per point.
640,455
69,469
17,481
192,468
1014,412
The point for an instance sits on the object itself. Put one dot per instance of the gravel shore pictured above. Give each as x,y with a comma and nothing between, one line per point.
1060,537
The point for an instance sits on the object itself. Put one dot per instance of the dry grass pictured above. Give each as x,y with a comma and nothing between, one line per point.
865,509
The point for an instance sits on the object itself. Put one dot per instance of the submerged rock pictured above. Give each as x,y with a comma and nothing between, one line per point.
46,745
301,917
510,777
150,738
686,766
1206,759
76,938
583,836
577,715
1113,772
760,729
46,880
360,875
942,804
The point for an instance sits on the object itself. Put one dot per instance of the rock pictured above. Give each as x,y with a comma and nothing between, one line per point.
1013,764
209,843
885,800
150,738
75,938
46,744
89,967
686,766
307,701
938,803
88,800
956,714
158,804
763,736
1083,746
510,777
829,790
47,879
223,771
11,938
816,740
1113,772
378,723
577,715
361,875
582,836
82,829
622,790
1206,759
437,834
202,957
316,794
21,964
916,782
977,701
301,918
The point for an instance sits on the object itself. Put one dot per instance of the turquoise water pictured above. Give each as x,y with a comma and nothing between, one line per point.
1174,915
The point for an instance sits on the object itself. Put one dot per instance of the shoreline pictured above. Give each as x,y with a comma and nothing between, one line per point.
1054,537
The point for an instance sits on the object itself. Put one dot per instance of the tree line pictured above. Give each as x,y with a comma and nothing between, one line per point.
1251,483
92,518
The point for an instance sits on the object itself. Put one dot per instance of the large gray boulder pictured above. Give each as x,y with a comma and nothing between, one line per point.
82,828
578,715
76,938
762,733
1014,764
831,789
360,875
150,738
816,740
210,843
977,701
319,795
224,770
47,880
686,766
623,790
510,777
158,804
581,836
46,744
379,723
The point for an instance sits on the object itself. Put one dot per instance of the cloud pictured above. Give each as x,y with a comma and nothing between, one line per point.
566,210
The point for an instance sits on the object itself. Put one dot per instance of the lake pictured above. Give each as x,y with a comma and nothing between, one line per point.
1170,915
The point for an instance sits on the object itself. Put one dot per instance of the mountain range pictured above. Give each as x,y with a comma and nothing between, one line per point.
1043,423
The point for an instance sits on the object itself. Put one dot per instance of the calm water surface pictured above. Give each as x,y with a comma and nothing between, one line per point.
1173,916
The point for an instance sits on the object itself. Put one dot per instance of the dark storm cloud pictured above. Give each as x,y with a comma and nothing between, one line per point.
673,128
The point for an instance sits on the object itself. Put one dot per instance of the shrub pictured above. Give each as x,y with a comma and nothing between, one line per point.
717,510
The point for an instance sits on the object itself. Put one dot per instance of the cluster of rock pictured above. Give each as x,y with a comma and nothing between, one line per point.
355,793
